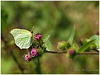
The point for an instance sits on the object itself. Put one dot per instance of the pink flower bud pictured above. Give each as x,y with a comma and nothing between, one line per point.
38,36
33,52
71,51
27,57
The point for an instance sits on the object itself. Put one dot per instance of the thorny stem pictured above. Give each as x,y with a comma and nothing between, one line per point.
38,66
90,53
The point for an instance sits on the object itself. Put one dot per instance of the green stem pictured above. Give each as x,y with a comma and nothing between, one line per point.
38,66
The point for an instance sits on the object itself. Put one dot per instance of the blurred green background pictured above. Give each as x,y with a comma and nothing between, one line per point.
54,18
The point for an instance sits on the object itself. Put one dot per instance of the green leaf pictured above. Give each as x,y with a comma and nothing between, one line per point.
22,37
36,30
96,38
70,40
84,47
47,43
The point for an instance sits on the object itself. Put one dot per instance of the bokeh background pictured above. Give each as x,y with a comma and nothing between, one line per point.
54,18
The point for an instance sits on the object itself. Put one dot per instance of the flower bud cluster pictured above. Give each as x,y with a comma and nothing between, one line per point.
35,51
31,54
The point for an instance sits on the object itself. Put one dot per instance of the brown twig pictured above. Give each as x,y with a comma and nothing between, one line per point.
13,56
54,52
96,50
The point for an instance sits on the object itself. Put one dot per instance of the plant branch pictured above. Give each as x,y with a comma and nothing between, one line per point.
12,54
96,50
38,66
54,52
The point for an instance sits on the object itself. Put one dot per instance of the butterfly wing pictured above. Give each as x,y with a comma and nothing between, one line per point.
23,38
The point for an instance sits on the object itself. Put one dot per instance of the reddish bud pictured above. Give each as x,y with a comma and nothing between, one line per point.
33,52
27,57
38,36
71,51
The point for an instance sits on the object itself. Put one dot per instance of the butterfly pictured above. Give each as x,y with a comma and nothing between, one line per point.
22,37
